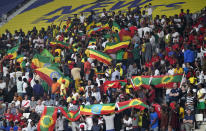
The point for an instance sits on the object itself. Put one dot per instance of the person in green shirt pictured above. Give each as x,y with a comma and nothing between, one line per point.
119,56
136,55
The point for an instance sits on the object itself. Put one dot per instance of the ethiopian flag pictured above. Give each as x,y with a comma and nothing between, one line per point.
166,80
20,58
92,42
143,81
97,109
115,27
136,103
102,57
114,47
48,119
40,61
48,73
60,44
12,53
70,115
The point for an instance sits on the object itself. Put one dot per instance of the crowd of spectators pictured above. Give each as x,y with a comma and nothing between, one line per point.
160,45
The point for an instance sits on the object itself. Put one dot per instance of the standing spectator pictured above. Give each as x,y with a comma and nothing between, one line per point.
201,99
109,121
37,90
55,89
154,121
127,121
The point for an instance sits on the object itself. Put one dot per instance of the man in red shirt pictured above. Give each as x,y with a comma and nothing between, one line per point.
87,69
8,115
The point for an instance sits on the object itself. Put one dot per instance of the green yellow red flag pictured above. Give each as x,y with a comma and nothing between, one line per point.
136,103
70,115
97,109
48,119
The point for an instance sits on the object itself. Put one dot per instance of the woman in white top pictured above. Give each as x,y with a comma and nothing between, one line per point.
127,121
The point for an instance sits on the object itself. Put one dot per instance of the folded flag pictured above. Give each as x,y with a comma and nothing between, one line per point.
125,35
115,27
70,115
143,81
136,103
166,80
12,53
97,109
40,61
60,44
102,57
114,84
48,119
46,53
48,73
114,47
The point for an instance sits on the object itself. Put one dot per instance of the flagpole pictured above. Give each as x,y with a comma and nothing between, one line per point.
182,80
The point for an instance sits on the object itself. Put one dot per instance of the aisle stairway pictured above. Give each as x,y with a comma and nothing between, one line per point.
18,12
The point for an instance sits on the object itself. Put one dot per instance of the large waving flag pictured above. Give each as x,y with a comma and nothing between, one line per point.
114,47
114,84
102,57
70,115
125,35
40,61
166,80
136,103
12,53
48,73
48,119
97,109
143,81
46,53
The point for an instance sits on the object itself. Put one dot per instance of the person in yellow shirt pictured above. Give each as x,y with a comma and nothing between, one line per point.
178,69
63,88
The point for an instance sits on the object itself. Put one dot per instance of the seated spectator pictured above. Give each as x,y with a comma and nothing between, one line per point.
188,121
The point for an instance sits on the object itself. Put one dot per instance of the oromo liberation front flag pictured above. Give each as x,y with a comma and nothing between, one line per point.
97,109
114,47
48,73
114,84
102,57
143,81
166,81
48,119
70,115
136,103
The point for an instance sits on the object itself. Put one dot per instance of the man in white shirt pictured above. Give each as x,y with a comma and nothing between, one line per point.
40,107
19,85
109,120
115,75
25,103
82,17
